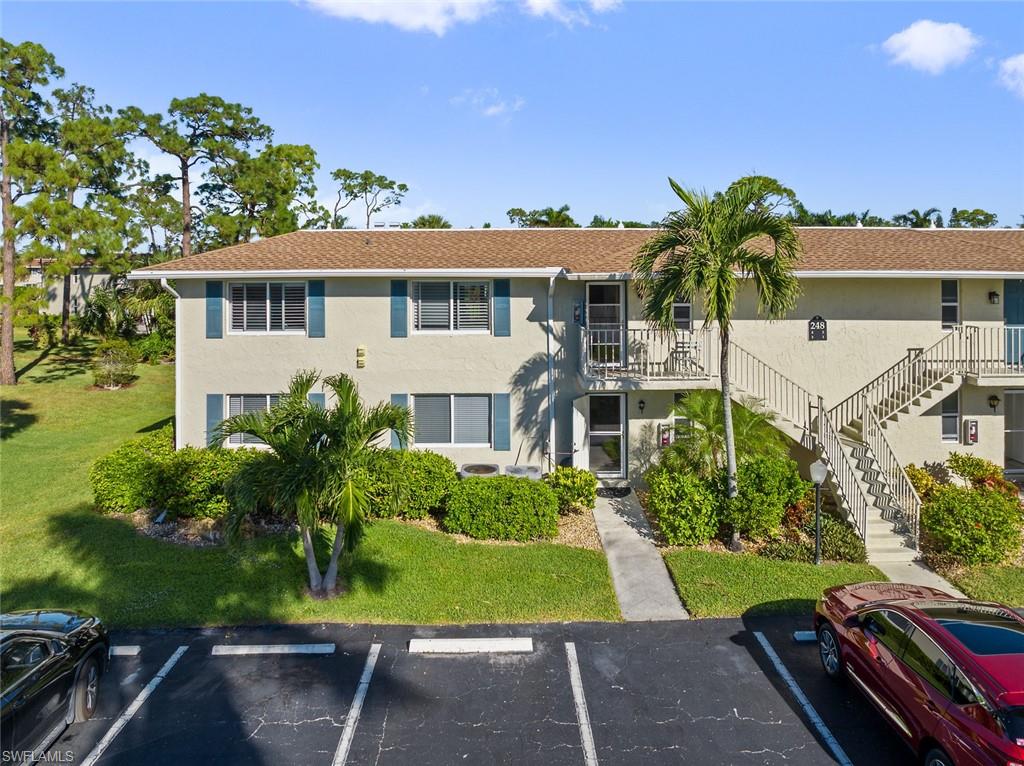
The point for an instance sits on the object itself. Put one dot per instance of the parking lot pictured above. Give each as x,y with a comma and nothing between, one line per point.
707,692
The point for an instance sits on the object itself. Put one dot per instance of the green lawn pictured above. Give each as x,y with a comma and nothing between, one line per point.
730,585
993,583
55,551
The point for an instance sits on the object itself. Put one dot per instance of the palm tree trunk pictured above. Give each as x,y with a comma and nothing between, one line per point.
730,438
316,582
331,578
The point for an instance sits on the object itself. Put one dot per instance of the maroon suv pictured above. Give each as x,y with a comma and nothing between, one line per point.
947,673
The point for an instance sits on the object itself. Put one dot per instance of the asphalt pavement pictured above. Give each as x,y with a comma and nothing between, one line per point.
696,691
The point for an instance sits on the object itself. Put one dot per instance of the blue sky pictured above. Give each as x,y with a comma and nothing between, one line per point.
542,102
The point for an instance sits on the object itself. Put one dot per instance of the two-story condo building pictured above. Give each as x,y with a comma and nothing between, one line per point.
528,346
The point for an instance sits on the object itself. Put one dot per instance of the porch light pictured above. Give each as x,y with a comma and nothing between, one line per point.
993,298
640,406
993,402
818,472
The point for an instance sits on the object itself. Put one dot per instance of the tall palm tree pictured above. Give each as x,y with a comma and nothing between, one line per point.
317,467
699,443
707,250
915,219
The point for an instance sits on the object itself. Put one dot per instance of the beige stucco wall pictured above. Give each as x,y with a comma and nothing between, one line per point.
871,323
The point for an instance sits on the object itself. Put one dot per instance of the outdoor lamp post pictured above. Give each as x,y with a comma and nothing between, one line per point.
818,473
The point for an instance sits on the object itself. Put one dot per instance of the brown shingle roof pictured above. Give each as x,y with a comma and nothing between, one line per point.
598,250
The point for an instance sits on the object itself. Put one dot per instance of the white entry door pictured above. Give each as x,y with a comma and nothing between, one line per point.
606,445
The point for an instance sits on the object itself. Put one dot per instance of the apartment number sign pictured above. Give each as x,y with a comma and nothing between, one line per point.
817,329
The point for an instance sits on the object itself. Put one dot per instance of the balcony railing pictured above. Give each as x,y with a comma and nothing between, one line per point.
614,353
998,351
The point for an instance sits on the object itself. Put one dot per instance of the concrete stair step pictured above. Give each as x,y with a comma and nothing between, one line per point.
891,558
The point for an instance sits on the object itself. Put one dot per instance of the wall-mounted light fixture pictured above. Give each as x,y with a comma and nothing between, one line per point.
993,298
640,405
993,402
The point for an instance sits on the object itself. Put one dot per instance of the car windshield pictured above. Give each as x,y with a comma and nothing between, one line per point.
1013,722
981,628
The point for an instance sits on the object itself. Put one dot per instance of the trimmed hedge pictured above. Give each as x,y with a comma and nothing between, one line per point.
767,486
839,542
575,489
148,473
411,483
685,505
124,480
972,526
502,508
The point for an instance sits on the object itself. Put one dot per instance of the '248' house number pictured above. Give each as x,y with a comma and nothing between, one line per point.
817,329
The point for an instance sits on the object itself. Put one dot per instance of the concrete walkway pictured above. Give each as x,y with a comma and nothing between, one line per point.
916,573
642,583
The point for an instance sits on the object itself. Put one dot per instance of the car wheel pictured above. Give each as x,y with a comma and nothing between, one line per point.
87,690
937,757
829,652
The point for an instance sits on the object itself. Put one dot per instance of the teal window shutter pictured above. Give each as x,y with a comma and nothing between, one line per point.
399,308
315,309
401,400
214,414
502,309
318,399
214,309
502,423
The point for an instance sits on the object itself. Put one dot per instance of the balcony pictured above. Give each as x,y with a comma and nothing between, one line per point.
995,354
612,354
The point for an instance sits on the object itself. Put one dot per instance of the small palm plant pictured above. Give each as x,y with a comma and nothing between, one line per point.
317,467
699,443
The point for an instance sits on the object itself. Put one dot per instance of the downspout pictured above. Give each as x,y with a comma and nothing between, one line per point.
177,360
552,462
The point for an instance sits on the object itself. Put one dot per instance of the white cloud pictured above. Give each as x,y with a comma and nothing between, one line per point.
435,16
487,102
438,16
930,46
1011,74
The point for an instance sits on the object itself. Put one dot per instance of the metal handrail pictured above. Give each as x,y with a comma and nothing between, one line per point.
762,381
841,468
646,353
898,484
916,374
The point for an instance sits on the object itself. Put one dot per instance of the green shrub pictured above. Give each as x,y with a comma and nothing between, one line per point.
191,483
980,473
767,486
924,483
575,489
411,483
502,508
788,550
685,506
126,479
155,347
114,364
839,540
971,526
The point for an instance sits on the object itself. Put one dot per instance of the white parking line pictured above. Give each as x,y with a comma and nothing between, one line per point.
345,743
133,708
582,715
124,651
469,645
220,650
808,708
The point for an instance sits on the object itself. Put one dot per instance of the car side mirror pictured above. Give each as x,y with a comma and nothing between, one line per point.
852,621
58,648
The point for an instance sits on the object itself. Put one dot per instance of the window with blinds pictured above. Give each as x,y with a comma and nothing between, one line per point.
268,306
239,403
452,419
452,306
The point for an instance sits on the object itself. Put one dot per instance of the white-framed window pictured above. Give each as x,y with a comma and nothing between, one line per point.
451,419
463,306
267,307
951,417
950,303
682,313
239,403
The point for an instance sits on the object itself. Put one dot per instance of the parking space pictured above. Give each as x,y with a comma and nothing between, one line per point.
698,691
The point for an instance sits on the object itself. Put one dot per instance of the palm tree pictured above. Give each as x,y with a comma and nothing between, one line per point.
430,221
699,443
317,468
915,219
707,250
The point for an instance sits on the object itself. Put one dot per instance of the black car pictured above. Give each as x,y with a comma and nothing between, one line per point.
50,666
